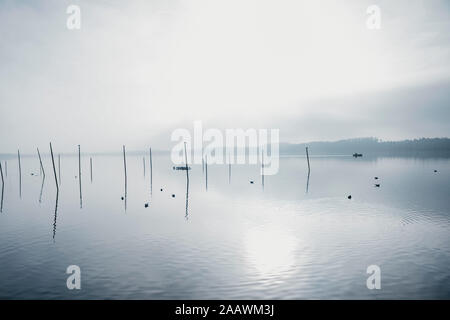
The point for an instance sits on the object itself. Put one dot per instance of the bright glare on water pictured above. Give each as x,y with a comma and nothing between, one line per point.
235,240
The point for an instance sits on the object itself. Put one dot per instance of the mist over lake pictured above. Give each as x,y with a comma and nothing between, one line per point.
224,155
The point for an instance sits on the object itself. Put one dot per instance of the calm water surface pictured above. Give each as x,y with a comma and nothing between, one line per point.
234,241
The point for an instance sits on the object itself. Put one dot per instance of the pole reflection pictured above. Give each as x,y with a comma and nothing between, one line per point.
56,215
3,188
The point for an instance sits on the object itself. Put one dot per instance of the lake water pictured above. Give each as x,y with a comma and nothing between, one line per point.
236,240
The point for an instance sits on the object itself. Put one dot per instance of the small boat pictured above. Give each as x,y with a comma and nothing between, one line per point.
181,168
356,155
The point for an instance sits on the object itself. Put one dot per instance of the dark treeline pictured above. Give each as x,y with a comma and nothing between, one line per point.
423,147
372,146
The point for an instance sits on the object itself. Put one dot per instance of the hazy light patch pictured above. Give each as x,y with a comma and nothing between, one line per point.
270,249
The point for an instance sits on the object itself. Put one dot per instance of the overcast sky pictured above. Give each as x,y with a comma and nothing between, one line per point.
136,70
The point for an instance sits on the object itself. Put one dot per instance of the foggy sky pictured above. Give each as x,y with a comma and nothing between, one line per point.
139,69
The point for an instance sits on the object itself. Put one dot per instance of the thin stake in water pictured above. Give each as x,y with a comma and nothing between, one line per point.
79,176
59,168
57,191
90,165
1,173
187,168
3,187
187,181
20,175
43,175
55,216
42,188
54,168
309,170
187,201
40,161
307,158
125,170
307,183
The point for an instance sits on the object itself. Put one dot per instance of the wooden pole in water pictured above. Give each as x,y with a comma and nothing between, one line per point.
309,170
57,191
41,170
125,170
54,168
79,175
3,186
1,172
20,175
56,215
307,158
40,161
151,172
42,188
6,169
187,167
187,182
90,164
59,169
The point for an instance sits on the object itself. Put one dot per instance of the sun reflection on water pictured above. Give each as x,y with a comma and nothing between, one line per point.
270,249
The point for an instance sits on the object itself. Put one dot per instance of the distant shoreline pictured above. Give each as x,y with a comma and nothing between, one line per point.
373,147
423,147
